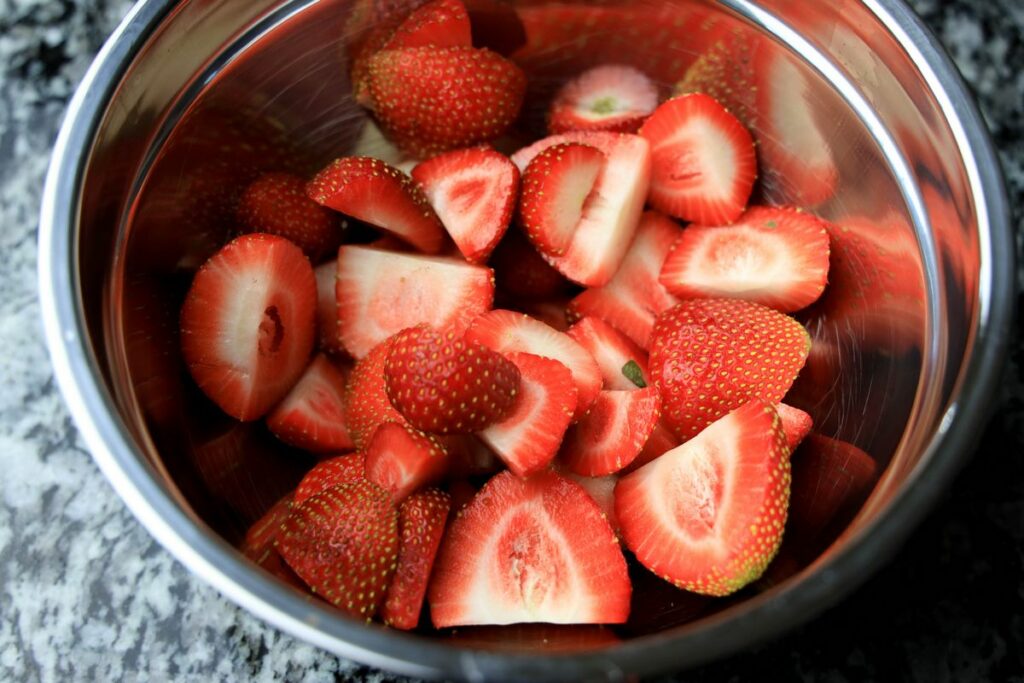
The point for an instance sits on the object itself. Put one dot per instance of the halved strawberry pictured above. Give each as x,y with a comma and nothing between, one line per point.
795,423
342,469
708,516
520,272
623,364
381,293
258,544
468,456
328,332
343,542
601,490
462,493
660,442
612,434
612,97
506,558
474,192
276,203
703,161
710,356
776,256
367,405
312,415
248,323
372,191
402,460
528,439
634,297
508,331
440,23
421,521
552,313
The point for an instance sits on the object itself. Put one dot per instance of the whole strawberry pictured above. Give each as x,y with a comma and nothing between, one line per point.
366,401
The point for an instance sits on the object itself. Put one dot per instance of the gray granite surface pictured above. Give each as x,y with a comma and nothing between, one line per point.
86,594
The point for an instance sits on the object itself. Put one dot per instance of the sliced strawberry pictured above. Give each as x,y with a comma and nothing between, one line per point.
496,26
312,415
610,216
612,434
381,293
276,203
703,161
372,191
506,559
602,491
508,331
441,23
359,75
248,323
522,273
469,456
623,364
708,516
612,97
367,405
634,297
328,332
462,492
426,111
660,442
402,460
710,356
776,256
342,469
552,313
421,522
343,542
474,192
528,439
258,544
795,423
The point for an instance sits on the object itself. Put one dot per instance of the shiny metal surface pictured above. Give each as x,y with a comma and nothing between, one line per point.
858,117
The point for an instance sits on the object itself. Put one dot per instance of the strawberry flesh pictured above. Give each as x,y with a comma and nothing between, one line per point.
612,97
613,352
328,332
795,423
312,415
402,460
612,434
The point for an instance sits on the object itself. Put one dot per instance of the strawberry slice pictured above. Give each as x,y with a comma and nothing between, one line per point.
710,356
367,405
343,542
470,457
623,364
474,192
381,293
776,256
613,209
328,332
660,442
421,522
703,161
381,195
342,469
708,516
528,439
507,558
612,434
312,415
795,423
522,273
612,97
551,313
441,23
258,544
276,203
248,323
462,493
634,297
602,491
402,460
508,331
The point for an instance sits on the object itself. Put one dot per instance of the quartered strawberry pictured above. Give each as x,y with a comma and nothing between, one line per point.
342,469
381,293
474,192
441,23
258,544
367,405
343,542
508,331
520,272
528,439
328,332
421,521
505,558
462,492
276,203
312,415
552,313
468,456
383,196
660,442
702,159
601,490
776,256
634,297
612,434
708,516
556,185
710,356
248,323
426,111
623,364
795,423
612,97
402,460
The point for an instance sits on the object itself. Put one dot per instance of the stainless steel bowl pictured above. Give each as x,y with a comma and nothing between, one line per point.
858,115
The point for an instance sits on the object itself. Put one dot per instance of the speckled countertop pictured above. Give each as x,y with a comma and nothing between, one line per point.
86,594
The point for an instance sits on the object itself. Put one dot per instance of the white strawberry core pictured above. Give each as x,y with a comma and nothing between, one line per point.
707,159
740,260
611,91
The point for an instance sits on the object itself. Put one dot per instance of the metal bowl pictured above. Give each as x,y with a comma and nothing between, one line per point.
859,117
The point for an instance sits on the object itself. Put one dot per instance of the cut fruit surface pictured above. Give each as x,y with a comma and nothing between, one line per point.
623,364
312,415
343,469
612,97
402,460
602,491
328,332
612,434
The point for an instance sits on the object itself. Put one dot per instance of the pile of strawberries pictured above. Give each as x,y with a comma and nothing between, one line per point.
440,356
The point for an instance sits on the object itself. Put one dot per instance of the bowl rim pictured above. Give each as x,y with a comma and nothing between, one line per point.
219,564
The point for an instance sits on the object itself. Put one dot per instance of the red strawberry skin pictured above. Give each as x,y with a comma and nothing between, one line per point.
276,203
367,405
795,423
312,415
442,23
521,273
612,434
258,544
402,460
343,469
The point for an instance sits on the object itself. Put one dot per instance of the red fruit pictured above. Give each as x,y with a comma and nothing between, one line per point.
776,256
710,356
623,364
602,491
258,544
703,161
381,293
528,439
367,405
506,559
551,313
343,542
462,493
708,516
276,203
496,26
612,97
374,41
312,415
521,272
343,469
508,331
383,196
248,323
421,522
328,332
469,456
441,23
474,192
795,423
402,460
612,434
660,442
426,111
